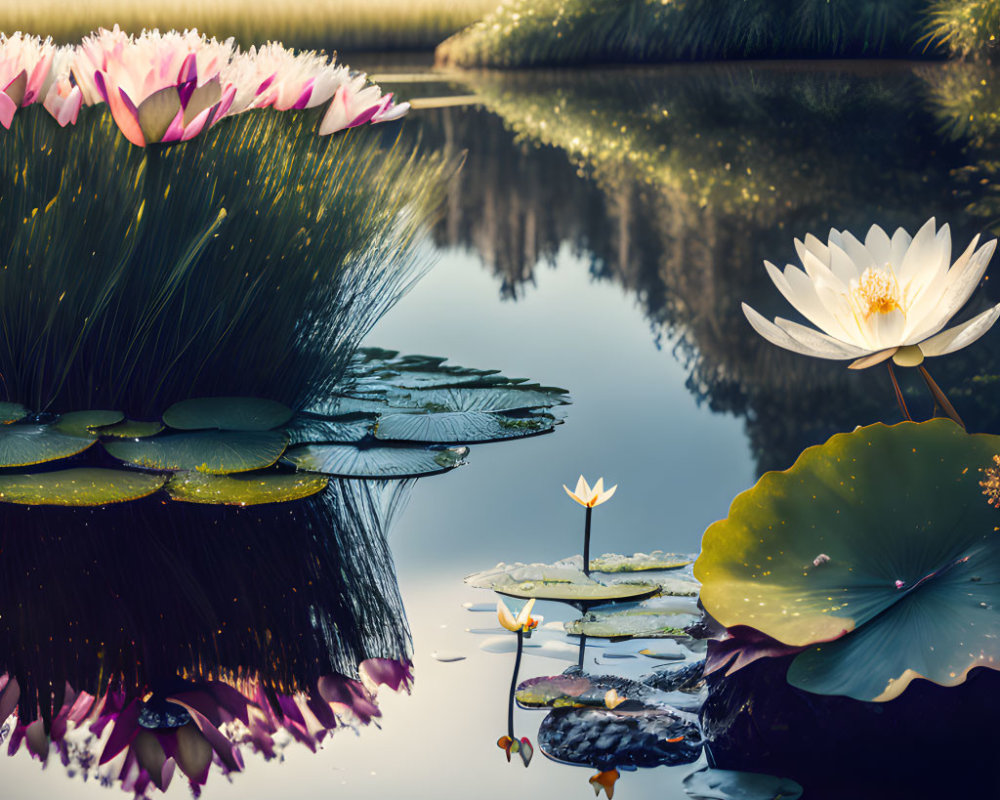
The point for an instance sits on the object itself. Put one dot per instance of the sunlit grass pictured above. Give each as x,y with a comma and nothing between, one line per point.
339,24
248,261
523,33
964,27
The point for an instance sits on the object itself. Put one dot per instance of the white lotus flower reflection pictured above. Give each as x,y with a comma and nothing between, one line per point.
879,299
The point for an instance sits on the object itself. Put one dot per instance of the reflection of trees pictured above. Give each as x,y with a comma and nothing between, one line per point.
694,177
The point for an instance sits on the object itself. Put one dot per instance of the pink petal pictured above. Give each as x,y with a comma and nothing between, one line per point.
7,109
124,731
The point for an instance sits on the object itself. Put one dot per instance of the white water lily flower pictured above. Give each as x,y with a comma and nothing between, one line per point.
587,497
879,298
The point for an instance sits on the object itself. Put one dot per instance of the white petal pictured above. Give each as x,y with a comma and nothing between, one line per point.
887,329
821,274
858,252
900,244
599,486
935,308
842,265
819,343
798,289
878,244
875,358
921,260
818,249
961,335
582,489
775,335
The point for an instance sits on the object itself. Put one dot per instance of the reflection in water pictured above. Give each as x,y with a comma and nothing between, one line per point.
167,618
679,182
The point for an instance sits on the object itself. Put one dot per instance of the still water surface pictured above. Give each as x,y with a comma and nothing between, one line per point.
612,265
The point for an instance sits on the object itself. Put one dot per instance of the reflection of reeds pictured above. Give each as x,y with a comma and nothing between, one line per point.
345,24
138,594
523,33
963,27
251,260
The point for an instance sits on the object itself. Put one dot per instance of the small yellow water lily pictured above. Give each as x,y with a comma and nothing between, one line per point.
589,497
605,780
612,699
524,622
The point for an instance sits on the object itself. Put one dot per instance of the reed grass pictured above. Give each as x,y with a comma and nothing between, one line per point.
525,33
964,28
342,24
251,260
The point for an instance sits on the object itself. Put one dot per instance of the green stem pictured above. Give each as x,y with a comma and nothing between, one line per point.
899,393
583,650
586,543
513,685
940,396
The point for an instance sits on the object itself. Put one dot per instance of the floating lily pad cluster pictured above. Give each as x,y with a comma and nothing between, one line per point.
247,450
875,558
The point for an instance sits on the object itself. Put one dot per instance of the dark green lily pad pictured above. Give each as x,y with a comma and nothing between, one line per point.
11,412
213,452
486,398
244,489
131,429
24,445
78,487
611,562
460,427
883,537
309,430
643,623
722,784
586,593
83,423
346,405
227,414
351,461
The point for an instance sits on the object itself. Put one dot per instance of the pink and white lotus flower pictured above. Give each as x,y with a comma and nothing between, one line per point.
24,65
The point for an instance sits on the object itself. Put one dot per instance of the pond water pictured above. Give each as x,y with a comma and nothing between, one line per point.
600,237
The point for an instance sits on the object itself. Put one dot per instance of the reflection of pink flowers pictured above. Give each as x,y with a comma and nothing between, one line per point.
24,66
142,742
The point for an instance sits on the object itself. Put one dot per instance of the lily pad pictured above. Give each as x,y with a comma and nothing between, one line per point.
612,562
213,452
460,427
881,539
131,429
24,445
579,690
309,430
352,461
581,592
243,490
638,622
227,414
11,412
487,398
78,487
722,784
346,405
83,423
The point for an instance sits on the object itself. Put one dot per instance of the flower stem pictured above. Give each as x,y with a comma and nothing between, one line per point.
583,650
940,397
513,684
586,542
899,393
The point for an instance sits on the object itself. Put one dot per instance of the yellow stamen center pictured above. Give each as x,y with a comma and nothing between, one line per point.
876,291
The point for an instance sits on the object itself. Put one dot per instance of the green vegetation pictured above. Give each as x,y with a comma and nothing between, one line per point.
340,24
255,256
967,28
525,33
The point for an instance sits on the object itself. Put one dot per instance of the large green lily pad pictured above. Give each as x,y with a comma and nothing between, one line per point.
460,427
352,461
246,489
11,412
24,445
83,423
309,430
227,414
213,452
882,534
78,487
583,593
639,623
131,429
612,562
